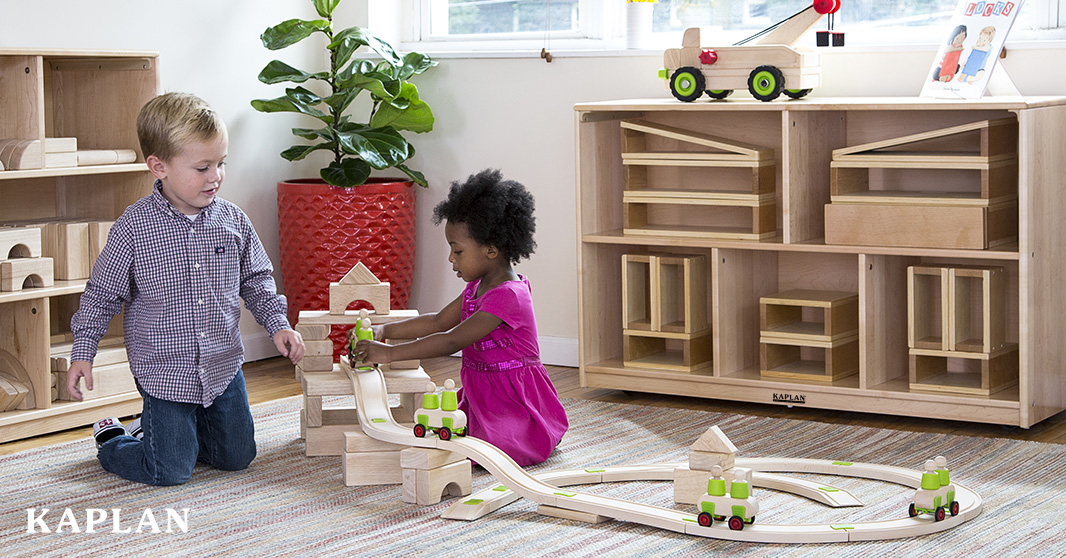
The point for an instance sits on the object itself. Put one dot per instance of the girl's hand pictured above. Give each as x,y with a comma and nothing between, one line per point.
373,352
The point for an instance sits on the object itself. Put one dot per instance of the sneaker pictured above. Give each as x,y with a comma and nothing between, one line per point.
134,429
106,429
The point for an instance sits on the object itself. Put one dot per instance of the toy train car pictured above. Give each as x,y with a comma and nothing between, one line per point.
936,495
440,415
738,506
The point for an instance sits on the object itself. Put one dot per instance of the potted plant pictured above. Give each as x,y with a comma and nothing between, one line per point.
328,224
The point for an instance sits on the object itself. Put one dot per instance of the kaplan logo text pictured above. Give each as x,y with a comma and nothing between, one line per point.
95,520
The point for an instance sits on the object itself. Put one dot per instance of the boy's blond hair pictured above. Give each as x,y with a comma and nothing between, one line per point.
170,121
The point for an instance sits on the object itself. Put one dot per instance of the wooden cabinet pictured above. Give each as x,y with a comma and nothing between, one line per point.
973,188
93,97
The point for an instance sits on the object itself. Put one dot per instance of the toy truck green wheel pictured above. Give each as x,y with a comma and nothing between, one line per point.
687,84
796,93
766,83
719,93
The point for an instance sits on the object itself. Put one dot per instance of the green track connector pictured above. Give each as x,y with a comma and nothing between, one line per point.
843,463
473,501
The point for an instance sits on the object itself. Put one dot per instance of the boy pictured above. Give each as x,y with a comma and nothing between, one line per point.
177,261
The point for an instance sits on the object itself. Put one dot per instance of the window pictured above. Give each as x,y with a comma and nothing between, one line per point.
590,24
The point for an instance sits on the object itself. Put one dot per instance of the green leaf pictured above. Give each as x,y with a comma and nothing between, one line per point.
347,41
418,177
381,148
297,152
325,7
296,99
308,133
350,172
381,85
413,63
277,71
291,31
340,101
412,114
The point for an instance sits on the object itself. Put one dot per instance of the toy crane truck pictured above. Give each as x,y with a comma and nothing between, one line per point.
768,66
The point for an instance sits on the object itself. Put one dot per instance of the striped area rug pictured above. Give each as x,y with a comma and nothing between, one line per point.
290,505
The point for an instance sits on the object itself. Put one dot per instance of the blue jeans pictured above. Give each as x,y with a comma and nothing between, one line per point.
177,435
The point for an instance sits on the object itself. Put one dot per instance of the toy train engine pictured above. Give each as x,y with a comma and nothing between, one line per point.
936,495
441,415
738,505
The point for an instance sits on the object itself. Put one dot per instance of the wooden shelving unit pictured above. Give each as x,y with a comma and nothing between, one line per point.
93,96
970,155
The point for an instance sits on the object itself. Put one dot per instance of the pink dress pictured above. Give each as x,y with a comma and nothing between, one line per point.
507,396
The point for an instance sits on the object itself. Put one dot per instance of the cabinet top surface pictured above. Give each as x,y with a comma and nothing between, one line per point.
826,103
73,53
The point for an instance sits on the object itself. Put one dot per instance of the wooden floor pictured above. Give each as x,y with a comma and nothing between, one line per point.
272,379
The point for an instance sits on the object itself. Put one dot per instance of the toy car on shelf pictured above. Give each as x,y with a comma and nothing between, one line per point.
737,506
440,414
936,495
769,66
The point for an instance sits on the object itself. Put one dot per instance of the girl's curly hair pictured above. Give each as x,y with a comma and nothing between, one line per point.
497,212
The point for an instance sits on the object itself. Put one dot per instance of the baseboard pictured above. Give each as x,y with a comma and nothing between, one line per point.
556,351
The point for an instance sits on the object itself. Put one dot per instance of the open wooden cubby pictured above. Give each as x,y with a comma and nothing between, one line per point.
809,335
969,170
93,96
664,312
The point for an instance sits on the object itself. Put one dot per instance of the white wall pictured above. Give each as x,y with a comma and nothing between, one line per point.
515,114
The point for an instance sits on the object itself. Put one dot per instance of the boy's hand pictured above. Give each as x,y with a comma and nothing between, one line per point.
373,352
290,343
79,369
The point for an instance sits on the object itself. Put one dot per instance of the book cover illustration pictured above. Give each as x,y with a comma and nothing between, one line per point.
968,54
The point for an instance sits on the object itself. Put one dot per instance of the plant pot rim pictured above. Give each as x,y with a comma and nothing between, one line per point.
372,185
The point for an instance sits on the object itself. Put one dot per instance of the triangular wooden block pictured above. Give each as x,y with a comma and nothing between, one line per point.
979,128
714,440
359,275
733,149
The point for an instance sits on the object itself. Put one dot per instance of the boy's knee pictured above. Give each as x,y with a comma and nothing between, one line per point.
236,460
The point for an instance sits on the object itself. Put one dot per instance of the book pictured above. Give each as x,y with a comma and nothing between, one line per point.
968,54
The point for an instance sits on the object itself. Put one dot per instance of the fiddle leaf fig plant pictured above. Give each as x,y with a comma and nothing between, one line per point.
357,147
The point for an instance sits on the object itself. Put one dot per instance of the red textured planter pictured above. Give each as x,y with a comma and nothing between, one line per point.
325,230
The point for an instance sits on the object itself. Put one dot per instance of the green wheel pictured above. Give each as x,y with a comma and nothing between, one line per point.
719,93
687,84
796,93
766,83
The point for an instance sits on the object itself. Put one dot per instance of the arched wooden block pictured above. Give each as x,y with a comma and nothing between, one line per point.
14,273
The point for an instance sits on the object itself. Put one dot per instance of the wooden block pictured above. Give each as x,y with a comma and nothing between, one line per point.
319,348
690,484
328,439
572,515
20,242
108,380
312,411
429,486
60,145
12,392
714,441
341,295
16,273
108,352
311,363
313,332
356,441
350,317
428,458
98,237
337,383
68,246
60,160
372,468
359,274
704,460
22,154
87,157
975,228
637,288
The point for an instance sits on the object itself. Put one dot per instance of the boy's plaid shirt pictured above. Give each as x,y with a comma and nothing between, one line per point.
178,281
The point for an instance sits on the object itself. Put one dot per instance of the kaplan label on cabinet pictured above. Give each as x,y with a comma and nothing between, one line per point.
790,398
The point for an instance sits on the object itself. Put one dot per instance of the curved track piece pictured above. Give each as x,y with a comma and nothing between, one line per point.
377,422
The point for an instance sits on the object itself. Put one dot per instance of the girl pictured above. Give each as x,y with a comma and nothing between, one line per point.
507,396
